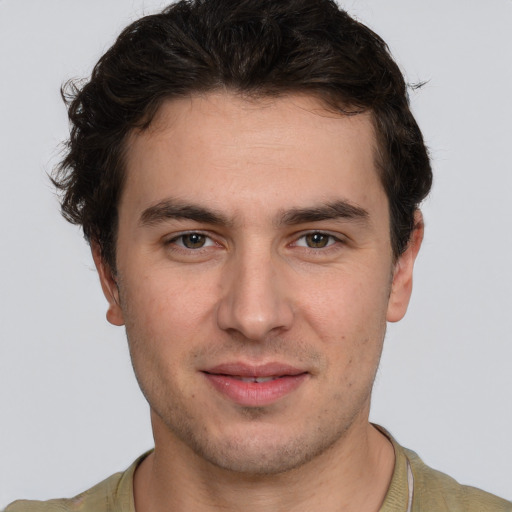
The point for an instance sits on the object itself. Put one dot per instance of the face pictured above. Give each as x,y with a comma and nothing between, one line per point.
254,277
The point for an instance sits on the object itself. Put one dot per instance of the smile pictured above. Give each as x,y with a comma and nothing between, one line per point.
255,386
256,379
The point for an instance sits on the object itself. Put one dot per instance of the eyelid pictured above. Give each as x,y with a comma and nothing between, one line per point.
172,239
335,238
323,232
211,241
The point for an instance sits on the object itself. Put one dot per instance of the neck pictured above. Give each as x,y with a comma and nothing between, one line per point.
353,475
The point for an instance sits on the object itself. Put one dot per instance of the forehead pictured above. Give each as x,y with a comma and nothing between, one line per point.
242,154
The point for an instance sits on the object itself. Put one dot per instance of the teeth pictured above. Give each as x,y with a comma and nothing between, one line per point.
257,379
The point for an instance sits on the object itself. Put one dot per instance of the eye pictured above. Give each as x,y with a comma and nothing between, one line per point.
316,240
192,241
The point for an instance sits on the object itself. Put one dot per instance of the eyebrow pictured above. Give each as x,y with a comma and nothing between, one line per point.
169,209
333,210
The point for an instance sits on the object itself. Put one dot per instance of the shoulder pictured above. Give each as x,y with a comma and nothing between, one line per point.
434,490
97,499
112,494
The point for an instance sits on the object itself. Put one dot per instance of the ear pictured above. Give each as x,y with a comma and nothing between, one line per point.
108,285
401,287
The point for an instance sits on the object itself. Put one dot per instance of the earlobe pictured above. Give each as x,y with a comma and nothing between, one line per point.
401,287
109,286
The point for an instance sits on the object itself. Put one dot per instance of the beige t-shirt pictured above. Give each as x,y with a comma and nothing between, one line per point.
414,488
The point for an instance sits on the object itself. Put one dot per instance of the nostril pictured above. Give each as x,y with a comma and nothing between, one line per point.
253,303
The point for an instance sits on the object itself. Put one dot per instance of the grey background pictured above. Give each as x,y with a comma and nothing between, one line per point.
71,412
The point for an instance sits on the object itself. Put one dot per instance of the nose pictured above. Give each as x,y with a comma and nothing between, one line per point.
254,301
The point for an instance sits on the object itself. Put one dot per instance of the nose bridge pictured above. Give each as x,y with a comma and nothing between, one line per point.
254,301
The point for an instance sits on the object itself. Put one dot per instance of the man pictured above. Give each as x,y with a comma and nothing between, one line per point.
249,175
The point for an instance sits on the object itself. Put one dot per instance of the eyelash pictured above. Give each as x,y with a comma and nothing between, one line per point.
181,246
175,245
330,240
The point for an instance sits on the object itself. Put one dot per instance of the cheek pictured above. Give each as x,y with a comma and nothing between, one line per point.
169,306
347,305
348,316
161,325
164,321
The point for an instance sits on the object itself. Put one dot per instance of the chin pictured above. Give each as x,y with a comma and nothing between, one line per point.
259,453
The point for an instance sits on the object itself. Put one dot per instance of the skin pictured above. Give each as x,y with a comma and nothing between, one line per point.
264,283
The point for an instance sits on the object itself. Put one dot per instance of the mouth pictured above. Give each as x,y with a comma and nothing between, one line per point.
255,386
257,379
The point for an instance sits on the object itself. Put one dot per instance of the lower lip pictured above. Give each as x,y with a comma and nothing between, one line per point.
255,394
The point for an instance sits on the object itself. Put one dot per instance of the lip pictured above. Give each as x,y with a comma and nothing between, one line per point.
280,380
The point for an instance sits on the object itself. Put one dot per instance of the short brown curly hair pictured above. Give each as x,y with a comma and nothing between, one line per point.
254,47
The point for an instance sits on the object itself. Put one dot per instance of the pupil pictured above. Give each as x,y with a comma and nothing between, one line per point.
193,241
317,240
